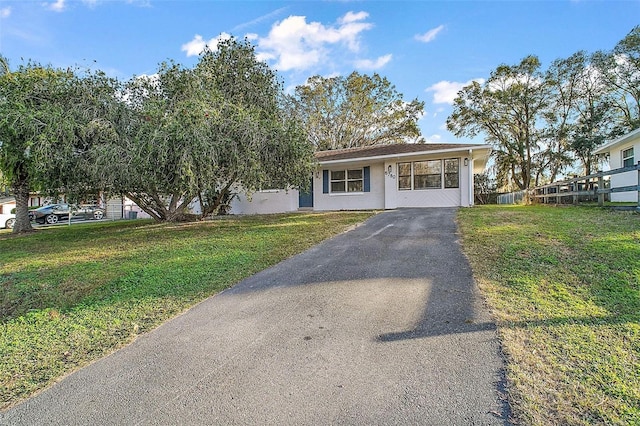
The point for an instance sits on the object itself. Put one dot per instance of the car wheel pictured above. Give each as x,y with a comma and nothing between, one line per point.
51,219
9,223
98,214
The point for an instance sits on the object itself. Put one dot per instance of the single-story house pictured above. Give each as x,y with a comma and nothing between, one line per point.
380,177
623,152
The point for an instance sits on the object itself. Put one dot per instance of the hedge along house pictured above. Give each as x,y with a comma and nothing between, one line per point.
381,177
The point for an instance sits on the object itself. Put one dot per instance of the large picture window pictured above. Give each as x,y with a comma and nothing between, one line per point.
429,174
627,157
347,180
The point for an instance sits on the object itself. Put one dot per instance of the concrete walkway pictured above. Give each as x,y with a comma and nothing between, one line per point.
380,325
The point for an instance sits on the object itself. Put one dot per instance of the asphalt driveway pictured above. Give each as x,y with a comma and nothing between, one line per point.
380,325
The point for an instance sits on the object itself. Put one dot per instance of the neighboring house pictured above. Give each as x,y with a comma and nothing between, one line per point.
7,204
380,177
623,152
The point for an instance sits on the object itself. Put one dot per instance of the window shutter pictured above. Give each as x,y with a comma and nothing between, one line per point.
325,181
367,179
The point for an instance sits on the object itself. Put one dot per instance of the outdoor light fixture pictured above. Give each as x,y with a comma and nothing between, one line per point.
389,169
466,161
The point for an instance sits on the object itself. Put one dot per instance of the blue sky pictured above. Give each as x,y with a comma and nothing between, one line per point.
427,49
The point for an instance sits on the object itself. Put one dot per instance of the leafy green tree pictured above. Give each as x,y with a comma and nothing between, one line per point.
201,133
354,111
509,110
595,118
620,70
47,118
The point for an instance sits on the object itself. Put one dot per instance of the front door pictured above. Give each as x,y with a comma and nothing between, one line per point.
305,199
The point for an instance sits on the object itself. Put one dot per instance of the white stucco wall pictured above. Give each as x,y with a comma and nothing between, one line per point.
451,197
265,202
383,194
351,201
624,179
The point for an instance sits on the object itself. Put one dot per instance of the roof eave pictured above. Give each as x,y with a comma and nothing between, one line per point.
619,141
405,155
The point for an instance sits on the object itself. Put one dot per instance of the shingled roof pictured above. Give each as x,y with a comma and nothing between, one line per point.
388,150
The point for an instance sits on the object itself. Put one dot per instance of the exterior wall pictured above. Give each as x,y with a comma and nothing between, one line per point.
382,184
7,207
450,197
129,206
265,202
624,179
372,200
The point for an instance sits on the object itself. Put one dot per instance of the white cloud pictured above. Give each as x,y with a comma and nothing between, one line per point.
429,35
368,64
353,17
5,12
433,138
57,6
198,44
296,44
444,92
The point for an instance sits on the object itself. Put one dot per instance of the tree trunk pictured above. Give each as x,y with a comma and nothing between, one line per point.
21,192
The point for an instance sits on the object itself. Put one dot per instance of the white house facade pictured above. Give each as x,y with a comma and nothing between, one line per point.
380,177
623,152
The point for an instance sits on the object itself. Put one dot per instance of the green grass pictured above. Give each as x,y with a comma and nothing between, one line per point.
564,286
70,295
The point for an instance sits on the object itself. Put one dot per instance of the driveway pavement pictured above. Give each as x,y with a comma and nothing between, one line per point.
380,325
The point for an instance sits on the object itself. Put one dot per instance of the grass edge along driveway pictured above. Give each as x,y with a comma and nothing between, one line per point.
70,295
564,286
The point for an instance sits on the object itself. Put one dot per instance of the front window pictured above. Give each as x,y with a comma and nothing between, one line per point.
347,180
627,157
427,174
404,175
452,173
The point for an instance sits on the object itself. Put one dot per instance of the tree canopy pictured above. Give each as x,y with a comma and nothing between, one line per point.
353,111
200,133
46,121
541,121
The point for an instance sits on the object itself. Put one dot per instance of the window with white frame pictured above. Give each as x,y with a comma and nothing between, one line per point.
350,180
429,174
452,173
627,157
404,176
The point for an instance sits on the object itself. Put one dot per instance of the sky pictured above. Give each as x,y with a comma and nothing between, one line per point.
427,49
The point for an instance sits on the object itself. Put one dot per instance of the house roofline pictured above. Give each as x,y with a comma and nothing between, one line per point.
618,141
460,149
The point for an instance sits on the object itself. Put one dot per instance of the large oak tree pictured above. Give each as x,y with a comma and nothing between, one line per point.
508,109
354,111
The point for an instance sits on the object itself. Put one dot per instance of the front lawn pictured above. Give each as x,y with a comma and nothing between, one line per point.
564,286
70,295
